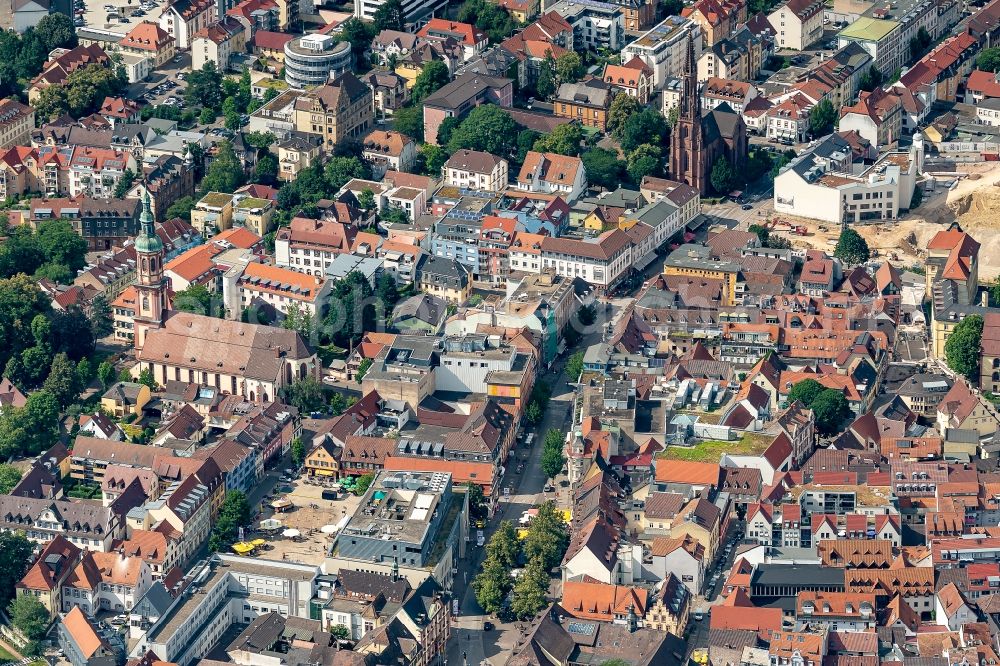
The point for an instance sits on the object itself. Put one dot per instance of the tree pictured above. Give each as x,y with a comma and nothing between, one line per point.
196,299
962,350
490,17
363,367
307,394
340,632
207,116
989,60
851,248
871,79
62,381
574,366
266,169
15,558
146,379
226,171
446,128
830,409
101,318
491,585
409,120
602,165
182,208
360,35
363,483
643,161
61,244
298,450
547,536
204,87
822,118
919,43
233,514
434,158
623,107
341,170
805,392
552,463
565,139
503,546
106,374
9,476
918,196
387,291
647,126
29,615
260,140
569,67
366,200
433,76
477,501
300,320
533,412
124,183
389,16
545,82
723,176
488,128
57,31
530,590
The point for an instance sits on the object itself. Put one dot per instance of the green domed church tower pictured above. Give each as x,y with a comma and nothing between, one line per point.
151,286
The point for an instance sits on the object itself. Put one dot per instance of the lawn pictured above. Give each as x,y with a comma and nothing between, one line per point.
711,450
6,656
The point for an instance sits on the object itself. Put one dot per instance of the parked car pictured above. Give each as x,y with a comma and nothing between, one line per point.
480,538
747,206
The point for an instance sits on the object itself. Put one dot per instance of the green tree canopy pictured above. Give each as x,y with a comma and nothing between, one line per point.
644,161
547,536
574,366
603,166
822,118
57,30
851,248
569,67
409,120
29,615
363,483
106,374
491,585
493,19
225,174
488,128
182,208
871,79
805,391
306,394
989,59
9,477
565,139
204,87
647,126
545,81
830,409
433,76
962,349
389,16
503,546
196,299
530,590
15,558
622,107
723,176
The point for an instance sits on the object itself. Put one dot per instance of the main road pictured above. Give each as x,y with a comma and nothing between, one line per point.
470,645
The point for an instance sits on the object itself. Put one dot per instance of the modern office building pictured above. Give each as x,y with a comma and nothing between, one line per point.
312,60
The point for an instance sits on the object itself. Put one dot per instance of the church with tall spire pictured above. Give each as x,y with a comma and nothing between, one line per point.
151,284
699,138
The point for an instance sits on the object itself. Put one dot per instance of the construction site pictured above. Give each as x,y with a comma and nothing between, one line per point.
969,195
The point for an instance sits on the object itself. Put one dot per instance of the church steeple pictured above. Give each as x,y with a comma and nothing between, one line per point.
687,156
151,286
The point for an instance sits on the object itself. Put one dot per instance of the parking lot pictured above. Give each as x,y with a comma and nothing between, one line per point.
115,15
